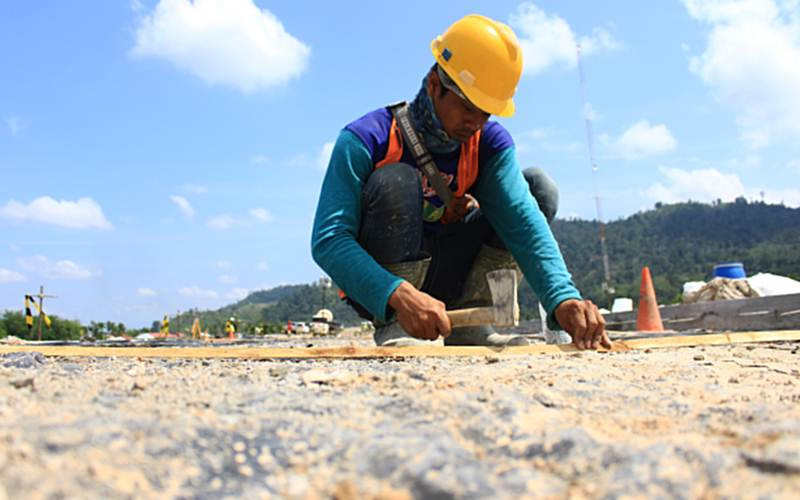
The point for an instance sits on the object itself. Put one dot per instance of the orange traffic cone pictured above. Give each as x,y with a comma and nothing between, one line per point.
648,319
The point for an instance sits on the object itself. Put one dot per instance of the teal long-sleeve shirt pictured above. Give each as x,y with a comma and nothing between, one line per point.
504,198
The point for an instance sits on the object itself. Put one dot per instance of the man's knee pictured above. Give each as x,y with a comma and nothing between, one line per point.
391,215
395,185
544,190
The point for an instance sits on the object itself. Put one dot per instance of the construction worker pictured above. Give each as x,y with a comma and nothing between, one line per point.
165,327
230,328
402,254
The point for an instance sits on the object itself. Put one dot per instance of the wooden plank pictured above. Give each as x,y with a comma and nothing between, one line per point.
351,352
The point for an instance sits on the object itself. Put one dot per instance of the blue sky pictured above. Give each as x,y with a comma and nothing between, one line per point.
159,156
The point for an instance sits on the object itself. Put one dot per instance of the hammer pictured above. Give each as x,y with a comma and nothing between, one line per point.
504,310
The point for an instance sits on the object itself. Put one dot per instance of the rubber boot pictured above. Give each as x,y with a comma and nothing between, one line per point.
391,334
476,294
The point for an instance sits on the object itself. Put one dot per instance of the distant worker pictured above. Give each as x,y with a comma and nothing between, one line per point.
230,328
165,327
386,234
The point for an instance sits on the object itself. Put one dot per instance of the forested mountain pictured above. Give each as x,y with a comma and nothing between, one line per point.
680,242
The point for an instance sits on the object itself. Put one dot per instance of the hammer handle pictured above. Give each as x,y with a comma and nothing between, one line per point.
473,316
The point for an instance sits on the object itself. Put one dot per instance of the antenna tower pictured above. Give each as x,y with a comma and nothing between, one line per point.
607,286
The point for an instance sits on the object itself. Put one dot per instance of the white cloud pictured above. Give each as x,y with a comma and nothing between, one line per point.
549,139
642,139
227,279
704,185
194,189
324,156
794,165
9,276
752,64
60,270
707,185
261,214
259,160
262,266
14,125
197,292
590,113
228,42
183,205
789,196
222,222
540,133
224,264
146,292
548,40
237,294
82,214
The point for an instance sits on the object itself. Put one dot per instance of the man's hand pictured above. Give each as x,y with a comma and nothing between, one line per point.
459,208
582,320
419,314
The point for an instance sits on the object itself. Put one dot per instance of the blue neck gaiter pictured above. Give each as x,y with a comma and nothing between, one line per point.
427,124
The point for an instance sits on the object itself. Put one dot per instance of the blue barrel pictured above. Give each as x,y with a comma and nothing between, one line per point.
733,270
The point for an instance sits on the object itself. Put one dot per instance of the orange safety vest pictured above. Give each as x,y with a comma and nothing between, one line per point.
467,160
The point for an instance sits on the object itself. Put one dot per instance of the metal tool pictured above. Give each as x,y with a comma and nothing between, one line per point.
504,310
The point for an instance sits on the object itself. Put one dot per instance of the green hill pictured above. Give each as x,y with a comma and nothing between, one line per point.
680,242
272,308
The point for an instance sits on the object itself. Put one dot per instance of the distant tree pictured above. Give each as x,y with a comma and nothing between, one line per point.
63,329
14,324
95,329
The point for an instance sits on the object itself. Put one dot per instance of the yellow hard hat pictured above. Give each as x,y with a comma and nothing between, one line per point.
484,58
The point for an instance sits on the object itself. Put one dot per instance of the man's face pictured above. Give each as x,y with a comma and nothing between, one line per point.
460,118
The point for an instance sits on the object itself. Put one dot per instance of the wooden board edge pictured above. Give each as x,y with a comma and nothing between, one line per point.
357,352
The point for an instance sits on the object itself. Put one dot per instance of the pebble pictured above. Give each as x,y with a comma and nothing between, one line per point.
24,360
21,383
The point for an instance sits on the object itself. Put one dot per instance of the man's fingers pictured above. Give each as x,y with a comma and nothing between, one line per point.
591,326
579,328
594,324
444,326
605,341
601,338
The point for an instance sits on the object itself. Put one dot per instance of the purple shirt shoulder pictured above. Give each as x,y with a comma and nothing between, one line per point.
373,130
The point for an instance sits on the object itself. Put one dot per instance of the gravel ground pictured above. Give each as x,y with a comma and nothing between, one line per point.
713,422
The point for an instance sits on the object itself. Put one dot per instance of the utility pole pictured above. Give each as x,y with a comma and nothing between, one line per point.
608,288
41,296
324,283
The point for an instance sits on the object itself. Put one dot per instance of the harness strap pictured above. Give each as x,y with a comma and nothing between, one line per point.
420,152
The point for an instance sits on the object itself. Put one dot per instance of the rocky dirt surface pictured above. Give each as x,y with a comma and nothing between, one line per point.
713,422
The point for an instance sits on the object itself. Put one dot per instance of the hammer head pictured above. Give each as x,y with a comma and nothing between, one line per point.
503,287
